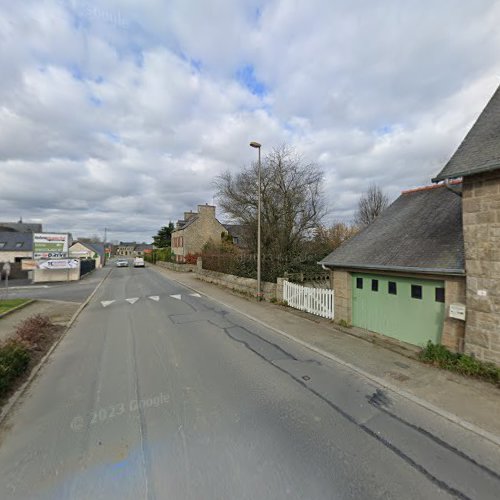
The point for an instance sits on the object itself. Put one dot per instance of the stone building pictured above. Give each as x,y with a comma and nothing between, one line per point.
126,248
399,276
194,231
477,162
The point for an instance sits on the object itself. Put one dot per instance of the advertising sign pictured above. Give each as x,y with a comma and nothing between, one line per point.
59,264
29,265
50,245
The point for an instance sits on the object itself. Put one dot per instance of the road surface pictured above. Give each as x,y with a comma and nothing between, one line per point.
157,392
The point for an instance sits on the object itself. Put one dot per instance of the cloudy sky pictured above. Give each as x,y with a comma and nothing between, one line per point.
119,113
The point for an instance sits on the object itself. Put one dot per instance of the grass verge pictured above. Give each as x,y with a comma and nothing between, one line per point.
18,355
7,305
464,364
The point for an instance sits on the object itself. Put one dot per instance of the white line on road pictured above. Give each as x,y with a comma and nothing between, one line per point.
178,297
106,303
195,295
133,300
155,297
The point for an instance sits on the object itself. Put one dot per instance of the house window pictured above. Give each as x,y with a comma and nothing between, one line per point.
374,285
2,244
416,292
439,294
392,288
359,283
19,244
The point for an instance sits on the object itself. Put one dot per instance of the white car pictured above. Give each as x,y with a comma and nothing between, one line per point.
122,263
139,262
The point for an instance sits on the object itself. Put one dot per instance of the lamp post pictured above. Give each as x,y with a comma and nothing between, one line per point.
258,146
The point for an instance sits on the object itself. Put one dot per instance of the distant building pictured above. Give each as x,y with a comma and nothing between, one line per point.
142,249
195,230
81,250
126,248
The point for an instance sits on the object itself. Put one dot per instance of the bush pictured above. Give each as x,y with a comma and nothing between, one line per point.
191,258
464,364
14,360
32,329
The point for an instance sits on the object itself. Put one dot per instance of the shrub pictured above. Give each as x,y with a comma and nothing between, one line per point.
464,364
14,359
191,258
273,300
32,329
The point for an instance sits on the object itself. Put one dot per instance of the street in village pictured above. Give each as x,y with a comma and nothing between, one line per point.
160,391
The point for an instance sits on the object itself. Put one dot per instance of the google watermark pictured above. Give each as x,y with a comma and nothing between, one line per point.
86,9
108,413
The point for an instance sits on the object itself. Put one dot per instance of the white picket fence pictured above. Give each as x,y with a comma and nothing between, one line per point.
317,301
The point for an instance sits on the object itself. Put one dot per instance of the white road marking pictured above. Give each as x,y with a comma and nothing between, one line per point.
106,303
155,297
133,300
178,297
195,295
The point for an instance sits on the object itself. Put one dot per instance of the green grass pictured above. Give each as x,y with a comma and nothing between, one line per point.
464,364
7,305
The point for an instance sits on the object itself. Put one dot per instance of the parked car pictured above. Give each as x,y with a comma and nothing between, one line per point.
122,263
139,262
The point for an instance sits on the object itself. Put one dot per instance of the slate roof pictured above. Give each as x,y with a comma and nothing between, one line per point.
97,247
22,227
10,238
480,150
420,232
184,224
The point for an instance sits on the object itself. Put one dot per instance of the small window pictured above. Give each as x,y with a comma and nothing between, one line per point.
416,292
439,294
359,283
374,285
392,288
2,244
19,244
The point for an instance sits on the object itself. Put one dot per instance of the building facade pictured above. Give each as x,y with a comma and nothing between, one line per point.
477,162
194,231
401,274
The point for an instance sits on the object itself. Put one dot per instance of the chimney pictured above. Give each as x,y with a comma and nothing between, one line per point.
188,215
206,211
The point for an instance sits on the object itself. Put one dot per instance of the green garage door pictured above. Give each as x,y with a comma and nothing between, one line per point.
411,310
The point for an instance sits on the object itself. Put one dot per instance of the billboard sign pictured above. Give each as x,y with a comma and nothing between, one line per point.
59,264
50,245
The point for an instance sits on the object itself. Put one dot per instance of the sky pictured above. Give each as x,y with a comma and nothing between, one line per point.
119,114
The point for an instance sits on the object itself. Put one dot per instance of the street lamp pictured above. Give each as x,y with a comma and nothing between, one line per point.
258,146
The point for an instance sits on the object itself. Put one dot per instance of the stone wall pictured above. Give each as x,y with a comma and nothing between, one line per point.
341,284
481,217
453,333
182,268
242,285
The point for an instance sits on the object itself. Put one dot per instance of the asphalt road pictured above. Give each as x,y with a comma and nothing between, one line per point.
171,395
74,291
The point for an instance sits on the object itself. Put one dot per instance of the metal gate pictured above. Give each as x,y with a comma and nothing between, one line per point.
317,301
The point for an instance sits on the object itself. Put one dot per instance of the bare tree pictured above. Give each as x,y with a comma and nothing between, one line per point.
371,204
292,200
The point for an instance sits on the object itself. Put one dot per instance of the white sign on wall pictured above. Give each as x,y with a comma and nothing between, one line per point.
457,311
59,264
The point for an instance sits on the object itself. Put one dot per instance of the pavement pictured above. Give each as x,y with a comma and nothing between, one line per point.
59,312
469,400
159,391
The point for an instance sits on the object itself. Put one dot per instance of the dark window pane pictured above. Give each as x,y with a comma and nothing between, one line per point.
439,294
374,285
392,288
416,292
359,283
